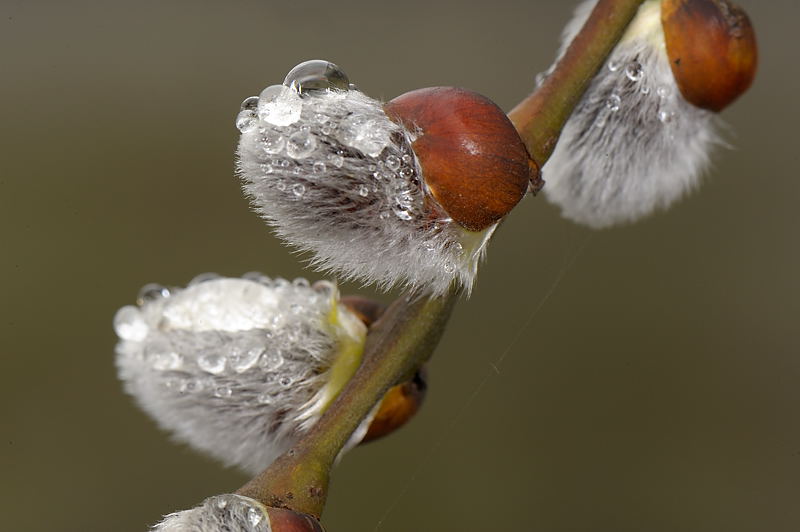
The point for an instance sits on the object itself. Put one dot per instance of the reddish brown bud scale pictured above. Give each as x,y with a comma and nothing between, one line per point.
712,50
472,157
284,520
398,406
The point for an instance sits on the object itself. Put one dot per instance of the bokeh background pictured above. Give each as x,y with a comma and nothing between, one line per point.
641,378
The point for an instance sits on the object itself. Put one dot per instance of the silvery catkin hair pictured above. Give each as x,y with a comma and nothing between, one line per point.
325,166
238,368
633,144
221,513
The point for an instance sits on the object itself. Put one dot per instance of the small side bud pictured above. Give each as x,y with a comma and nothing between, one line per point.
398,406
712,50
236,513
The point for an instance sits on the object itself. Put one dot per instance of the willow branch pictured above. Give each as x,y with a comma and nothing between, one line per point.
541,116
408,332
397,345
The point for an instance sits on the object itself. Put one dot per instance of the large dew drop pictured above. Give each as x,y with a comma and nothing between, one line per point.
316,75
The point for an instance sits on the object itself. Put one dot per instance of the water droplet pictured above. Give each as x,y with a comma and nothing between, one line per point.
298,189
321,118
393,162
254,516
166,360
264,398
301,282
280,185
285,381
191,386
363,191
613,102
213,363
245,120
243,359
613,66
319,167
279,106
406,172
634,71
324,288
664,116
249,104
129,324
600,120
204,277
301,144
152,292
406,158
337,159
223,391
257,277
272,141
384,215
449,267
662,92
317,75
457,247
272,360
645,89
401,212
539,79
222,503
369,136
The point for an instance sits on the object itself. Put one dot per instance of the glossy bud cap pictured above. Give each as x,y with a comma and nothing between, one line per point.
712,50
472,157
398,406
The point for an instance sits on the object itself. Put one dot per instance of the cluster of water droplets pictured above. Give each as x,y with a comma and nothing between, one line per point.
632,85
221,512
316,127
335,176
203,341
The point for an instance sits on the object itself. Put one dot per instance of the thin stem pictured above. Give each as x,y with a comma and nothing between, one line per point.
541,116
406,335
397,345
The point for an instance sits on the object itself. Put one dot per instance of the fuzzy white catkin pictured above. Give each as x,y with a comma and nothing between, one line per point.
633,144
237,368
221,513
336,177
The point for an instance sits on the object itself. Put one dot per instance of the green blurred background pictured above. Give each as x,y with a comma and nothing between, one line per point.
654,388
